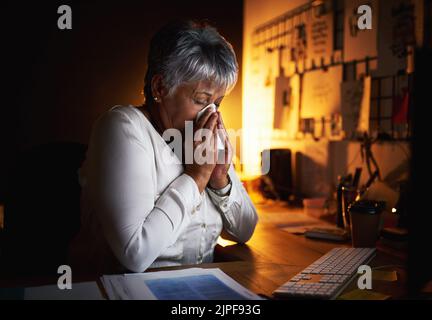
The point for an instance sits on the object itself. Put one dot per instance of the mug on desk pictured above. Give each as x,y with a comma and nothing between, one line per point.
365,216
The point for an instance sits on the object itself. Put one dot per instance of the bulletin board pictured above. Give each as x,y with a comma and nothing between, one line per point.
306,43
321,98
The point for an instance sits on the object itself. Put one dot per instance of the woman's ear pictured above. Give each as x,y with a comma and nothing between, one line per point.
157,87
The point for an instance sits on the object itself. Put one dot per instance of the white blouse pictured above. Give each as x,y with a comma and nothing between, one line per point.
139,211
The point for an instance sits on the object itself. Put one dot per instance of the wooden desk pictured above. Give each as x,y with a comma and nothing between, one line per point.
273,256
270,258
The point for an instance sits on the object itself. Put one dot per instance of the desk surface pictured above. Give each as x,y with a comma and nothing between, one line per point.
273,256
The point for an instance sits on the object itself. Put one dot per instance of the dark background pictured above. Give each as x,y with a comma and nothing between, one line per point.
56,82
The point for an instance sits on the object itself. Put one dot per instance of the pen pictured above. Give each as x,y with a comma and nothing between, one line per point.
357,174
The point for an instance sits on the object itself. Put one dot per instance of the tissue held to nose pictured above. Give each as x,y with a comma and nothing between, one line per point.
220,144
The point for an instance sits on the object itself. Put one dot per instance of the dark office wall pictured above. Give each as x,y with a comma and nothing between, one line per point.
56,82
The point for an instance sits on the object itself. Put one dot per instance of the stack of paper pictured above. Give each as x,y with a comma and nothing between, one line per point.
187,284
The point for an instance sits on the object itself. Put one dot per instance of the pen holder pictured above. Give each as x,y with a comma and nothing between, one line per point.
349,196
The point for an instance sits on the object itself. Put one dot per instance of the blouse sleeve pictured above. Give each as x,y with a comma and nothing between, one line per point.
238,213
122,184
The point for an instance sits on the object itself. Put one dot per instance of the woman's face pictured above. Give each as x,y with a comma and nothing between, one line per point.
187,100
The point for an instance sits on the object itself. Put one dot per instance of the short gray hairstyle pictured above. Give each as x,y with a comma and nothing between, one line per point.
187,51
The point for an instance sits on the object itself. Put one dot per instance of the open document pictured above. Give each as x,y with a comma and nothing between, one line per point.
187,284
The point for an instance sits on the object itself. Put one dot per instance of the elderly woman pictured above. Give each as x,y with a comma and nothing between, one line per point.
140,210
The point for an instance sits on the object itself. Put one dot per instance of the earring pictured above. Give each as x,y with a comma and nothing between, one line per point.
156,98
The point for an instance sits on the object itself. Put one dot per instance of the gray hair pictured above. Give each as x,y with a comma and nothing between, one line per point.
185,52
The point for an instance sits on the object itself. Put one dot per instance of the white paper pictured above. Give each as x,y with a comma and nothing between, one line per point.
187,284
115,287
363,123
352,96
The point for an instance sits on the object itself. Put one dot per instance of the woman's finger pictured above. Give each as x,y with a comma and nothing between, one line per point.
222,129
204,118
228,147
221,121
212,121
208,130
215,151
228,152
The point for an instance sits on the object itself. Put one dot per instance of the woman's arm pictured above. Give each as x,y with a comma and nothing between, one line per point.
122,183
238,213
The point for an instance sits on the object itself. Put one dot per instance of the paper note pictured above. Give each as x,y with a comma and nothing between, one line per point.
187,284
358,294
364,114
295,230
384,275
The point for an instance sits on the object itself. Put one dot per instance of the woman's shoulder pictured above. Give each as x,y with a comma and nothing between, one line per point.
120,116
118,112
123,118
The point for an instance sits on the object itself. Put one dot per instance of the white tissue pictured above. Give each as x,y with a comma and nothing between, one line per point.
220,145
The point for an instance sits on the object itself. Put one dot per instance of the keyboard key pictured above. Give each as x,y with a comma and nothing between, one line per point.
336,267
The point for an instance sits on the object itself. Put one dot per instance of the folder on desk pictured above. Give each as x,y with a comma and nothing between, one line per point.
187,284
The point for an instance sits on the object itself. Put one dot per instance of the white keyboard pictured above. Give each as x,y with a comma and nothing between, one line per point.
328,276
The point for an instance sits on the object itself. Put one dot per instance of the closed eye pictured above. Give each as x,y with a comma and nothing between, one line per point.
201,102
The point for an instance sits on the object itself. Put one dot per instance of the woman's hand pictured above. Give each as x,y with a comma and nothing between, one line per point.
219,178
202,170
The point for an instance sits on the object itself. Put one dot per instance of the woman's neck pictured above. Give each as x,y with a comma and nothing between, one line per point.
153,115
